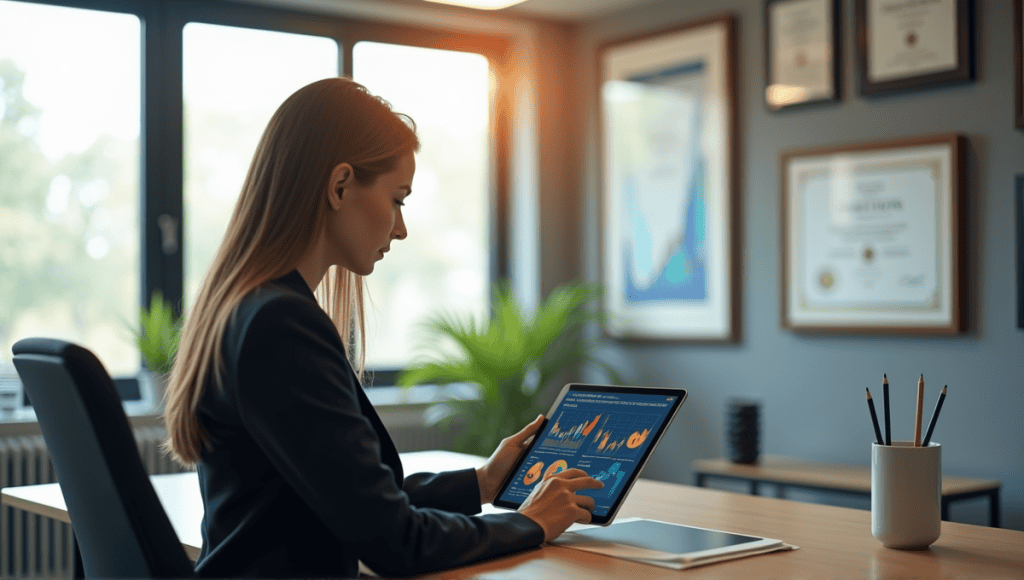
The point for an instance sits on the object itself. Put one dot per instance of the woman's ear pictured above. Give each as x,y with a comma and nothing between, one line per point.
341,176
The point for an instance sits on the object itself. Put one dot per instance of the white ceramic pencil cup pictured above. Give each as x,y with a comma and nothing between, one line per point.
906,493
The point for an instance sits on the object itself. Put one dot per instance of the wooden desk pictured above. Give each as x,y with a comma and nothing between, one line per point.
785,472
832,540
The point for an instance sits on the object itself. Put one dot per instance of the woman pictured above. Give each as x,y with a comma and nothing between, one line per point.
298,475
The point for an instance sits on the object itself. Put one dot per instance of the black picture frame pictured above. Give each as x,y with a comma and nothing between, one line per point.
1020,251
964,71
776,102
1018,54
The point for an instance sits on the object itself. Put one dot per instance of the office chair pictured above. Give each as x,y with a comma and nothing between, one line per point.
119,524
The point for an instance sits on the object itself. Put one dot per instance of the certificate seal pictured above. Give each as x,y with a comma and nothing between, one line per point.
827,279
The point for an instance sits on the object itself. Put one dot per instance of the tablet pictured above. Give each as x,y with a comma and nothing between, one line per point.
607,431
638,538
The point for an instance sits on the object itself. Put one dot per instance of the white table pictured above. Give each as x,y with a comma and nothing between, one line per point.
179,494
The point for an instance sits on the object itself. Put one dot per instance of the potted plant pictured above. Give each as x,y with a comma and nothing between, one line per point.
509,360
157,337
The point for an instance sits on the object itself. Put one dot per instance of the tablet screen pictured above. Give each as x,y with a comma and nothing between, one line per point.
606,431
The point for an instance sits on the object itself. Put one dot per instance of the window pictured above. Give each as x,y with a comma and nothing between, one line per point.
127,127
69,178
443,264
233,80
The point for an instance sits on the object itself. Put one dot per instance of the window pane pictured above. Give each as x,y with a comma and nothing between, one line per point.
443,265
69,178
234,80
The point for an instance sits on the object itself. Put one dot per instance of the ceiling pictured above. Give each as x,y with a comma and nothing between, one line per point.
573,9
559,10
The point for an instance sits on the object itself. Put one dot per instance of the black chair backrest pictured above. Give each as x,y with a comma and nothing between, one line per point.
119,523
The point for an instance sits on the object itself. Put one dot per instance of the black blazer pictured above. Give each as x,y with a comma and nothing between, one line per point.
302,478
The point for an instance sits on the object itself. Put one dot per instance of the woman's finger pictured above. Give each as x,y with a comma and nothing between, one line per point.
529,430
579,483
586,502
584,516
572,473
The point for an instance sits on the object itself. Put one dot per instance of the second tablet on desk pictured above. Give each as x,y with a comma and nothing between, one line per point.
664,544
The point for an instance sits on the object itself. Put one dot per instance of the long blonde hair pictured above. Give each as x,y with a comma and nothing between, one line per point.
281,207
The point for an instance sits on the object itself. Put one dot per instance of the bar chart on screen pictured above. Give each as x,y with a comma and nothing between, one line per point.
570,430
622,435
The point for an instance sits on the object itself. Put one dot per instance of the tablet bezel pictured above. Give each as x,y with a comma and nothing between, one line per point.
585,387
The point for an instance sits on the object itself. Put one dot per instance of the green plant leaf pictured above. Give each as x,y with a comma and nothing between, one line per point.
497,355
158,334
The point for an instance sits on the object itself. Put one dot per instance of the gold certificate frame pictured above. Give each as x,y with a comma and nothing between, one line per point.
668,133
873,239
910,44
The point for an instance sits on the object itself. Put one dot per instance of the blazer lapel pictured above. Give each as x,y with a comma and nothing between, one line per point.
388,453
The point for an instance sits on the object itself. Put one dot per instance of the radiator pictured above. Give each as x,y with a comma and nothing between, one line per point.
35,547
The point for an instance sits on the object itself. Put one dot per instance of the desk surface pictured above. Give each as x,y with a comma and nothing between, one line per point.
832,540
778,469
179,494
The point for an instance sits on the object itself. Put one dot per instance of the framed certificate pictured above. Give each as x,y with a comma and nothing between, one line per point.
1018,51
908,44
873,237
668,201
801,52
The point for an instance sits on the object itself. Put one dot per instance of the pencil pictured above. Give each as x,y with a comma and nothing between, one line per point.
918,411
885,408
874,418
935,415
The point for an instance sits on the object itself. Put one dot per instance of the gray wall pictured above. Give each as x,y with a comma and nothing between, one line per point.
812,386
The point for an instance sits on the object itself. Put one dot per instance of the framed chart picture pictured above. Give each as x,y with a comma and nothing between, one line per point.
667,107
873,239
910,44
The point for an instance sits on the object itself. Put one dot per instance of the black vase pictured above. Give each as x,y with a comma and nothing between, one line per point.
743,431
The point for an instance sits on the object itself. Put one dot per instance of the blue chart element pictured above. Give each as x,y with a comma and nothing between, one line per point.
606,476
680,273
684,277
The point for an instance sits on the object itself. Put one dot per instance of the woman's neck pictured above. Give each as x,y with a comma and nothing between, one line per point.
313,265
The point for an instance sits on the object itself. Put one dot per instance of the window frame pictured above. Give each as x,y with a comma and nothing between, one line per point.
161,142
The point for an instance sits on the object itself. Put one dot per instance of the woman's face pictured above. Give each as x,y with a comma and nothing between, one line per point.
369,217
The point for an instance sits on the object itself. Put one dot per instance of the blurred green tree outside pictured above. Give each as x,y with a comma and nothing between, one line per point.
68,235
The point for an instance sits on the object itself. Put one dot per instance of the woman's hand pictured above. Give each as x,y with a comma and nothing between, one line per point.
504,458
554,504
